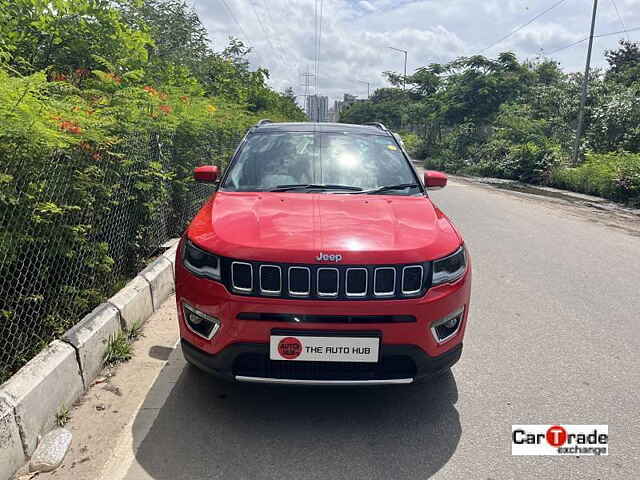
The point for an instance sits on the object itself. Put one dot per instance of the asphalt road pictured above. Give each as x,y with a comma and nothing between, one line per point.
553,338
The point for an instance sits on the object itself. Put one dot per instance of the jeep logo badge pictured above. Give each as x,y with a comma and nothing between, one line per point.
329,257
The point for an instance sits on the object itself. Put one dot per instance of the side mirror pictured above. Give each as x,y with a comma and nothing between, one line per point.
206,173
433,179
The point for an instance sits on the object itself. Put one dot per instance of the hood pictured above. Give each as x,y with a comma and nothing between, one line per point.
297,227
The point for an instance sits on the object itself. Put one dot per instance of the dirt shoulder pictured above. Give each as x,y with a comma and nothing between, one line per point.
101,417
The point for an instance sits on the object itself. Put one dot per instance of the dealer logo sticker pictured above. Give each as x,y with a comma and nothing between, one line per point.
290,348
576,440
309,348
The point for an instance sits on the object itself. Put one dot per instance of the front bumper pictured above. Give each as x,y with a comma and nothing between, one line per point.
250,362
240,348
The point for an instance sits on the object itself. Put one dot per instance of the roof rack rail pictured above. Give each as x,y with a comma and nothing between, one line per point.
264,121
378,125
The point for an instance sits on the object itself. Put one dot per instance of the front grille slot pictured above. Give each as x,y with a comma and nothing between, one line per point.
412,279
356,282
384,284
328,282
299,281
242,276
270,279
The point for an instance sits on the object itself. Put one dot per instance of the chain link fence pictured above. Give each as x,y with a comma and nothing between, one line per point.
76,226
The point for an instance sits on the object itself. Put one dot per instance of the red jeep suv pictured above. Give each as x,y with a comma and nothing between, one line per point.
321,260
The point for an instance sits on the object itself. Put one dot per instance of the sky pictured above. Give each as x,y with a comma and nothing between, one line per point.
356,34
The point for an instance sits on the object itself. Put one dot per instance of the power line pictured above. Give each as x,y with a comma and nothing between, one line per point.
516,30
271,23
317,26
266,9
600,35
624,27
618,32
264,30
315,47
567,46
233,17
319,43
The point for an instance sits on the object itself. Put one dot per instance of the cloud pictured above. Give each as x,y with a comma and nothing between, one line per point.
367,6
356,35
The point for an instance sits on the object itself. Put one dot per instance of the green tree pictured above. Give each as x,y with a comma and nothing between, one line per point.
624,63
65,36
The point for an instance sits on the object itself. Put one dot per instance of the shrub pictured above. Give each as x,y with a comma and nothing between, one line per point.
530,162
615,176
411,143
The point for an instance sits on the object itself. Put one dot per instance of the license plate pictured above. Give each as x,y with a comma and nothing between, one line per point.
324,349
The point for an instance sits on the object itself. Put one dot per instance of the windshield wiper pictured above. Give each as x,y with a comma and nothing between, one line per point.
400,186
313,186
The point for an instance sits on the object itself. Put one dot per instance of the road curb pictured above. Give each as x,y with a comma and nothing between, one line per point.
90,339
57,376
170,255
134,302
50,382
11,452
159,274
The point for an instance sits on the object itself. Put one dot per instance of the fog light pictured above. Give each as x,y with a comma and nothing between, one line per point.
451,323
200,323
445,328
194,319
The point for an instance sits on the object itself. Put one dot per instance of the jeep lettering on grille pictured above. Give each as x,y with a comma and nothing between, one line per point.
329,257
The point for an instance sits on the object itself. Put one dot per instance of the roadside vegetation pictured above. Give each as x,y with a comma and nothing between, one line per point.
63,416
516,119
105,108
119,349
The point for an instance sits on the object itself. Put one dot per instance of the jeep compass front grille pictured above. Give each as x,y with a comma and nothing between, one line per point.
324,282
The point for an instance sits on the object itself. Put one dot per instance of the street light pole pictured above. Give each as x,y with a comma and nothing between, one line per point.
404,79
368,88
585,83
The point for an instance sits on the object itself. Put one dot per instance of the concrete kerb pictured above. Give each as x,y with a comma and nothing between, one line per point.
134,302
159,274
11,452
50,382
90,338
170,255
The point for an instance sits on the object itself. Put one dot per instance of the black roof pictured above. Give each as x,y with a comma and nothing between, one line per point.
320,127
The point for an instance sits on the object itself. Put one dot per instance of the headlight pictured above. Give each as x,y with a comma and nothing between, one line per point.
200,262
451,268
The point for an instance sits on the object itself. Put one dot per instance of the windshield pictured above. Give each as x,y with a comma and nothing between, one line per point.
271,160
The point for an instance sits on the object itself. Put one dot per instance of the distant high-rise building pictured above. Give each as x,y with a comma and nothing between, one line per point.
334,116
318,108
341,105
349,100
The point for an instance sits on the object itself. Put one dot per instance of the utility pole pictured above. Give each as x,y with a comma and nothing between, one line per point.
585,83
368,87
404,79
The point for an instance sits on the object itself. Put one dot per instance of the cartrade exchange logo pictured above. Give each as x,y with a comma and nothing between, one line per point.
577,440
